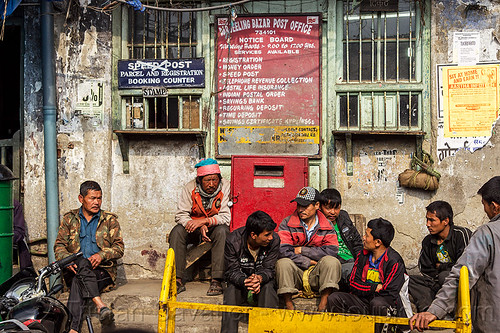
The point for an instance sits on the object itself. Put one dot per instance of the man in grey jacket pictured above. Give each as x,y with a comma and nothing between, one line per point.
484,267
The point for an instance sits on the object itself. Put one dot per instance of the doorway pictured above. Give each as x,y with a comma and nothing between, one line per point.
11,92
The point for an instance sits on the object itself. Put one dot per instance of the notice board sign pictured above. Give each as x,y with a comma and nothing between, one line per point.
471,100
169,73
268,85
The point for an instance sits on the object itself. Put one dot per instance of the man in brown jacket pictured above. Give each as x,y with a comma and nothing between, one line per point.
96,233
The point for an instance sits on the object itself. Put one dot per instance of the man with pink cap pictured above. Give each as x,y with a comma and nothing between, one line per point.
202,215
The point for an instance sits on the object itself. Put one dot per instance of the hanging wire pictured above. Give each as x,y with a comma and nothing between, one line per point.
188,9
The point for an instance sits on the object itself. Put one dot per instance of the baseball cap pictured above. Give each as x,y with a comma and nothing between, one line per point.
307,196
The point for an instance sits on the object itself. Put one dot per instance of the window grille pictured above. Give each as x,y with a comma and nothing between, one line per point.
173,112
155,34
162,35
381,87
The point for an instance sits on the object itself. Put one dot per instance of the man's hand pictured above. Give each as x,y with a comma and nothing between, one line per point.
95,260
421,321
204,237
297,250
253,282
72,268
192,225
379,288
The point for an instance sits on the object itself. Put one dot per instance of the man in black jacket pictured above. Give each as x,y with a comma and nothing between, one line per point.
377,276
350,243
250,255
440,251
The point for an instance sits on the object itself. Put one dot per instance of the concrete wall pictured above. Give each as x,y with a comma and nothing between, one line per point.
368,193
145,199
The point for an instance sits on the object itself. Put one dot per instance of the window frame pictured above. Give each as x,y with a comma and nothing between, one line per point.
419,86
122,50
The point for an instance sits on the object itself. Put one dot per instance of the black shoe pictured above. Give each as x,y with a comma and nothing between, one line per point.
180,287
106,316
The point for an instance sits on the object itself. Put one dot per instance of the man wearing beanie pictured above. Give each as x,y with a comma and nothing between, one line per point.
202,214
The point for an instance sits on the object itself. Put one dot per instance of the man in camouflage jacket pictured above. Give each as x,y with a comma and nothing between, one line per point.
96,233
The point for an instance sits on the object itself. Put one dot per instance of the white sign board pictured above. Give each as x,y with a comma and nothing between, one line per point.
90,98
466,46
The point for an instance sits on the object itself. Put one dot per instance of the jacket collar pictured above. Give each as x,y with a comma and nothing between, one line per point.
495,218
434,238
324,224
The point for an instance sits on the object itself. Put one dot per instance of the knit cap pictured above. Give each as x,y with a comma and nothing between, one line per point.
207,166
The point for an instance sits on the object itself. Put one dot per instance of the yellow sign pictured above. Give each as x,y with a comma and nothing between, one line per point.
471,99
264,134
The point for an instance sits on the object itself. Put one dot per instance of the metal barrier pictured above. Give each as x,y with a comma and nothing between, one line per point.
262,320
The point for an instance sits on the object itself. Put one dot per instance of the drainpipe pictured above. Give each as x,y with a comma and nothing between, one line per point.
49,125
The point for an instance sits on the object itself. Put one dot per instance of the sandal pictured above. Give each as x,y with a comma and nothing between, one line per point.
106,316
215,288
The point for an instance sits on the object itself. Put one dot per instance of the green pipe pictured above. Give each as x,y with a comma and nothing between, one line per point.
49,125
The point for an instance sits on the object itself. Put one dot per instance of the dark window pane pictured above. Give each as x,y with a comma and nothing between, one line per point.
344,63
349,111
368,31
404,26
353,61
404,61
391,26
404,110
157,110
367,62
391,61
173,52
150,53
173,112
353,29
414,110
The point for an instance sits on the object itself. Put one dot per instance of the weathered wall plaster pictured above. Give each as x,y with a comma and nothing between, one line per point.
145,200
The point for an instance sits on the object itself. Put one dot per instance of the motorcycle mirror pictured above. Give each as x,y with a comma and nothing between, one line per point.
57,288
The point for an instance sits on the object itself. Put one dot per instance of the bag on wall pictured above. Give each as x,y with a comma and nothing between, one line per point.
421,175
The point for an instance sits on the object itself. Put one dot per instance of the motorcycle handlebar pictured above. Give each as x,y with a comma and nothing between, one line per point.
65,261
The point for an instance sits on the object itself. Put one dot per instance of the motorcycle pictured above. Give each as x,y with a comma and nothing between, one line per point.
27,305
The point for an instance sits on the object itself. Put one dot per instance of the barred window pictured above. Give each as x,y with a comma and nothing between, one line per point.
155,34
381,86
162,35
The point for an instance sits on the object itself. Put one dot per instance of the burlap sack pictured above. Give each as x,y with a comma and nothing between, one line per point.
418,179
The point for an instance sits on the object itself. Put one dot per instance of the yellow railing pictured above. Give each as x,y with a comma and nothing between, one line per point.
280,321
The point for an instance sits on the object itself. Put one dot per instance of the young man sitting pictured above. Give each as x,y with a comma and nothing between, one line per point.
308,251
440,251
350,242
377,276
250,255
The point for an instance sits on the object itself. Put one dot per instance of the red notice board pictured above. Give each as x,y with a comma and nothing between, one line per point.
268,85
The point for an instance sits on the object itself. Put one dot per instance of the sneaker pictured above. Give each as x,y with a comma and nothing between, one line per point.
106,316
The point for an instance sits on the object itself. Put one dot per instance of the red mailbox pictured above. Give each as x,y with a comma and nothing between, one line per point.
267,184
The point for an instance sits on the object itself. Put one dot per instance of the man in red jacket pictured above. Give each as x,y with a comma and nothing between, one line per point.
376,278
308,249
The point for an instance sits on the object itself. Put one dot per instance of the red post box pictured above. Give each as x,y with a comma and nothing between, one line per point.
267,184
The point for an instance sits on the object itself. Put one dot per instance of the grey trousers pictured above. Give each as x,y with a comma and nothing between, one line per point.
179,239
326,274
423,289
